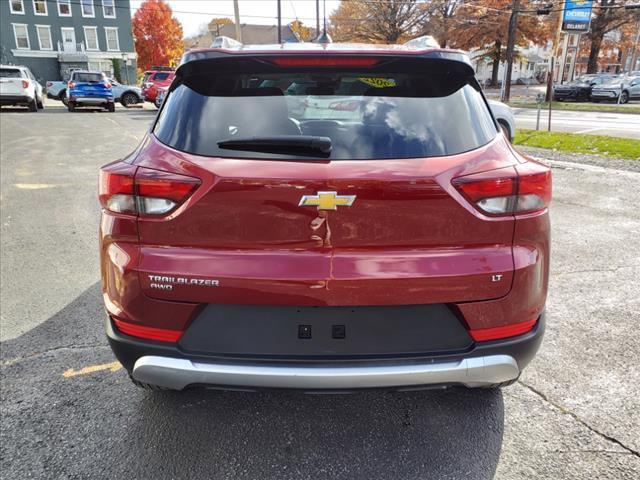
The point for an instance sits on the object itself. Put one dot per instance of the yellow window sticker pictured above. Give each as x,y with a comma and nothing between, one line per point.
378,82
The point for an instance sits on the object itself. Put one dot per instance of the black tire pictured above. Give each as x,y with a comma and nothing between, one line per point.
128,99
41,104
63,98
505,129
111,107
71,106
624,97
148,386
33,105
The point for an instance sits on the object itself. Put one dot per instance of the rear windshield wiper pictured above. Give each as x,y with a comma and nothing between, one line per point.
306,145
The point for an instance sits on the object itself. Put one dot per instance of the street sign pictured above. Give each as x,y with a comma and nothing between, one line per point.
576,17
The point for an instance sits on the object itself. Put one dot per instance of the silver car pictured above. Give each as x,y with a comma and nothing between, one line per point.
621,89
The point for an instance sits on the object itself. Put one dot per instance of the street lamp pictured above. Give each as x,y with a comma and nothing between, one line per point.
125,59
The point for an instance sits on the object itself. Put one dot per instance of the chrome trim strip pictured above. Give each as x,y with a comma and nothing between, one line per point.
177,373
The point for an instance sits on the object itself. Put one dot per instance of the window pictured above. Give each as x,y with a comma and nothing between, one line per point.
160,77
404,113
10,73
112,38
17,6
40,7
108,9
87,8
64,8
44,37
21,35
87,77
91,38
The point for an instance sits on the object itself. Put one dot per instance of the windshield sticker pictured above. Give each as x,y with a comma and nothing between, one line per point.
378,82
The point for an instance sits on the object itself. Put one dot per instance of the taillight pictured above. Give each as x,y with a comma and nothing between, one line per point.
150,333
71,85
496,333
108,85
49,84
505,191
134,190
25,83
322,61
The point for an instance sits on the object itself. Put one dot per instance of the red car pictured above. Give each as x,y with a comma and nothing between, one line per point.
152,80
404,245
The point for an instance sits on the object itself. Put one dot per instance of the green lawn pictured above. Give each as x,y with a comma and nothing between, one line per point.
581,107
580,143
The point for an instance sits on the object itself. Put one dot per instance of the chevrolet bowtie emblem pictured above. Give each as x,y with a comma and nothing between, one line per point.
327,200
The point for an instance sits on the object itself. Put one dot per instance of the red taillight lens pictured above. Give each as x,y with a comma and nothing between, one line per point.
25,83
108,85
134,190
149,333
49,84
505,192
304,61
496,333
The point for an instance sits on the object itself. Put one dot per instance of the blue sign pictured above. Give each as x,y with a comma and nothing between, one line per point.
576,17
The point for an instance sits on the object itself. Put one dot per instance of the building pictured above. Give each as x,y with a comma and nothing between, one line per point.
54,37
251,35
529,66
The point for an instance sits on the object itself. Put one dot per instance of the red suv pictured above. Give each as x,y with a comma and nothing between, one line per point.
152,80
331,218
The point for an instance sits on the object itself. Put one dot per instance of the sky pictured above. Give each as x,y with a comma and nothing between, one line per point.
193,14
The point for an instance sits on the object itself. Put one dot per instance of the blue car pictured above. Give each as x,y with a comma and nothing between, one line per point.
89,89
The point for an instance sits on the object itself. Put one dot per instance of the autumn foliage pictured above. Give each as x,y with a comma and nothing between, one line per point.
157,34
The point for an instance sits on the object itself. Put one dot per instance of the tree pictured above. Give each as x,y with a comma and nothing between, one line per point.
157,34
216,23
486,27
439,19
606,20
393,21
304,33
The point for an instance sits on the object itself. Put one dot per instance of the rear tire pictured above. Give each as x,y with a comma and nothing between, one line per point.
128,99
63,98
41,104
505,129
624,97
33,105
71,106
111,107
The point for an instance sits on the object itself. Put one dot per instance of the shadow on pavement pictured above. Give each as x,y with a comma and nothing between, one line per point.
100,425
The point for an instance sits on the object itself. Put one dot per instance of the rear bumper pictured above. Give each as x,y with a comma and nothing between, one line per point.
92,100
15,99
484,364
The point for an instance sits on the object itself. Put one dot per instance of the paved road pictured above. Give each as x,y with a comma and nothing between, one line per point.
69,412
595,123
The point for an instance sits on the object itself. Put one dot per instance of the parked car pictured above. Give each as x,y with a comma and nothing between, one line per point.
127,95
89,89
18,87
580,88
162,92
153,79
405,246
626,88
504,116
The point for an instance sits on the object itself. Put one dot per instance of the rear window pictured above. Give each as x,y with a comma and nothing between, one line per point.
161,76
10,73
88,77
365,115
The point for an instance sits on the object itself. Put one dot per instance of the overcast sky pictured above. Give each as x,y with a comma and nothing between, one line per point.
195,13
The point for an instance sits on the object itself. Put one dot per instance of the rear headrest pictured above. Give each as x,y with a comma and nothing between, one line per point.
259,92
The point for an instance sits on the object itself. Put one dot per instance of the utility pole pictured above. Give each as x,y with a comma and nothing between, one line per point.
236,12
317,18
635,48
513,24
279,22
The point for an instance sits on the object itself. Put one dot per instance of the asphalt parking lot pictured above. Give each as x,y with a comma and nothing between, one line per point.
69,411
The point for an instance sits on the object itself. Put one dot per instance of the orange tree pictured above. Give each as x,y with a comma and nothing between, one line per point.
485,26
157,34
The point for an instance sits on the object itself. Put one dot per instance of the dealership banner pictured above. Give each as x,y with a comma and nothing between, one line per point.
576,17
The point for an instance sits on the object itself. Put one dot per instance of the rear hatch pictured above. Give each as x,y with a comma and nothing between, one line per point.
11,81
89,84
278,219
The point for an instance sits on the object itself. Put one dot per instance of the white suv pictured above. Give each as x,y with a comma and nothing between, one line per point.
18,86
